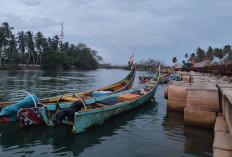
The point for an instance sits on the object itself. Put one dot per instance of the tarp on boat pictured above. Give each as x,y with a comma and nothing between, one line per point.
27,102
67,113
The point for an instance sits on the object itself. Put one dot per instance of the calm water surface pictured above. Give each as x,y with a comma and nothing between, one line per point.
148,130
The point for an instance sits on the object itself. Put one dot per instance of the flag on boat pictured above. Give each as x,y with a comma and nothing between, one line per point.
132,59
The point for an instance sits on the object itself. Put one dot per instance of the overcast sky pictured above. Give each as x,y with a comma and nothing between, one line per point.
158,29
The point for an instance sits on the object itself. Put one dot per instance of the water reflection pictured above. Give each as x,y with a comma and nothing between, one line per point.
193,138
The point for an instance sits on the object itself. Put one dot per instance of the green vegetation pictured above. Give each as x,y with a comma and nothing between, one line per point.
149,64
50,53
174,60
215,55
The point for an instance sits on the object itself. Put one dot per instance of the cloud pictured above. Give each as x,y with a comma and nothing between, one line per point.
149,28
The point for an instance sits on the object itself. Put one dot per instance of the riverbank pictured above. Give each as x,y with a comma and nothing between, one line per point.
29,67
20,67
206,102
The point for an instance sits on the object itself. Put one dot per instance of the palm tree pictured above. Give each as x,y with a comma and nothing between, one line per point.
49,40
2,40
13,49
65,46
7,30
183,62
193,55
12,44
55,42
174,60
210,53
72,52
186,55
39,42
45,43
5,34
219,53
81,46
226,50
21,42
200,54
30,46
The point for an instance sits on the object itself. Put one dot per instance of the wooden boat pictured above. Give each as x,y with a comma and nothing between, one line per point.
168,78
144,79
33,115
96,111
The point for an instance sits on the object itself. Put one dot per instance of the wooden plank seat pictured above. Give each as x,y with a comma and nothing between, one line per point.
100,105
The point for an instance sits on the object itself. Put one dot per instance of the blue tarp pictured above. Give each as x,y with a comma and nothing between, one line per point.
27,102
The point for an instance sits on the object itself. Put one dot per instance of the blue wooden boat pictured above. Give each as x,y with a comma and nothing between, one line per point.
170,77
95,111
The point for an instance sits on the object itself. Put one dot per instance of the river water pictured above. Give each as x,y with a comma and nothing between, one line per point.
148,130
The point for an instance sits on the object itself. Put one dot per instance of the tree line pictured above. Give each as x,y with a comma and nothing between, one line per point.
50,53
149,64
218,55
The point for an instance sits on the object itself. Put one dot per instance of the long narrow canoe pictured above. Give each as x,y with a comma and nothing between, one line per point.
144,79
96,111
122,85
167,79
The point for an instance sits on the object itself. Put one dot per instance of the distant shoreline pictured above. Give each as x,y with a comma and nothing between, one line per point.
20,67
38,67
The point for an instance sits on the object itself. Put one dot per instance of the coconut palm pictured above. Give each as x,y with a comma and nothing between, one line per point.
186,55
5,34
2,40
55,42
7,30
65,46
210,53
30,46
219,53
39,42
13,53
21,42
174,60
226,50
200,54
45,43
72,52
12,44
183,62
49,40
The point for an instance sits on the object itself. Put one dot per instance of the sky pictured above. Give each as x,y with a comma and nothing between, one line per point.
156,29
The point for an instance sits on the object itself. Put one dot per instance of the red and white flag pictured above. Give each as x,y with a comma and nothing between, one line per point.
132,59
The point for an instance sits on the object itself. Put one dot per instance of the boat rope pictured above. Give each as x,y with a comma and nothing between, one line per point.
63,96
82,102
12,99
78,97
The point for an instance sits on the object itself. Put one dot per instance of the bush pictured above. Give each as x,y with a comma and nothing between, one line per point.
53,60
85,60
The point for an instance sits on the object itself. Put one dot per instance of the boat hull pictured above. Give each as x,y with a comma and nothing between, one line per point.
85,120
